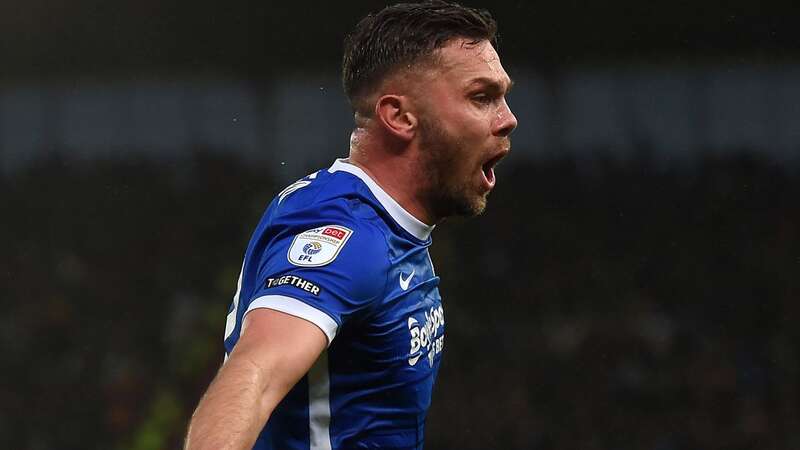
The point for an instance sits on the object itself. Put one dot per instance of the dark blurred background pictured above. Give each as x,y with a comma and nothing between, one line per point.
633,284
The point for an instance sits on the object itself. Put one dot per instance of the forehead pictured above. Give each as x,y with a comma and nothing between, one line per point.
462,61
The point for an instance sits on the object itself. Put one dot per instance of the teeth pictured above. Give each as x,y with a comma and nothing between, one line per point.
488,173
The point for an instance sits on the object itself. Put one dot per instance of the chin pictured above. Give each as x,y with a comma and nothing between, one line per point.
470,206
478,207
451,196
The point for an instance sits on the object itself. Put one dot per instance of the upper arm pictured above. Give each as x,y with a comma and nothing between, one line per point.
274,351
280,348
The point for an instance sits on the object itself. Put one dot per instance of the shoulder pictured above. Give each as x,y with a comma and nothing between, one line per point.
336,230
325,261
329,209
319,225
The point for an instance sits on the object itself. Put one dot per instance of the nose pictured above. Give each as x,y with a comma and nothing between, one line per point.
506,121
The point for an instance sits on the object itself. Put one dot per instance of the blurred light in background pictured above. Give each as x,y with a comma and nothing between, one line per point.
676,114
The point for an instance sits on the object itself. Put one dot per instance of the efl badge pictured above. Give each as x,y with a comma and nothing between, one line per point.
318,246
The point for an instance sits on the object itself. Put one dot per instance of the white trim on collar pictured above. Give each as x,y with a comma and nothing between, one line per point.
416,227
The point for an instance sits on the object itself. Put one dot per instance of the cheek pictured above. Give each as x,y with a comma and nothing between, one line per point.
461,115
470,129
467,150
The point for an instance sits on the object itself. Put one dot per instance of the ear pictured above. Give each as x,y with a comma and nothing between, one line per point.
393,112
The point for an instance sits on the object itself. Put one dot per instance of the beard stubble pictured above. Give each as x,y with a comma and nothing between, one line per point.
448,193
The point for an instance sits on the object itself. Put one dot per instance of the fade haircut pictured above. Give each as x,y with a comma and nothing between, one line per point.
401,36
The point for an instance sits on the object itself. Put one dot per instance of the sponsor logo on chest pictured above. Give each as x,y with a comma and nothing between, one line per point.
427,338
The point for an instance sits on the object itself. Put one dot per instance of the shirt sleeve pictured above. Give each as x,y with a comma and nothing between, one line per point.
326,268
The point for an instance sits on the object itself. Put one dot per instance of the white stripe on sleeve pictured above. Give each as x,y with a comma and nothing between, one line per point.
299,309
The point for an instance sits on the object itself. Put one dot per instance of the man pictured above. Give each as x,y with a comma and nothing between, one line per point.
335,334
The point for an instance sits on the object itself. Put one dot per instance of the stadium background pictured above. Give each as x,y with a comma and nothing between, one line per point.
633,284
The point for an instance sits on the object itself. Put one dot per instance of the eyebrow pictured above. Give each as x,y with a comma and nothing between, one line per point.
492,84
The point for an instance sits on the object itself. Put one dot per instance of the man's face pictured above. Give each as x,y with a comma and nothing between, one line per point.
464,125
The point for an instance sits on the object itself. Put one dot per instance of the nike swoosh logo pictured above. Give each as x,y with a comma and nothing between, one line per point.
404,283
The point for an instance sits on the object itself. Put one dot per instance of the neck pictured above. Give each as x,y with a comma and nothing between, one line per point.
395,172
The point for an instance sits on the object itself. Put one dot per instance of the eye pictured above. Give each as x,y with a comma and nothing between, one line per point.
482,99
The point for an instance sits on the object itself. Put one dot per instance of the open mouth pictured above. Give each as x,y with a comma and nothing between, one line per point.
488,169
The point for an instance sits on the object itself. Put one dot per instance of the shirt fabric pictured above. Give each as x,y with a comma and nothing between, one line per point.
333,248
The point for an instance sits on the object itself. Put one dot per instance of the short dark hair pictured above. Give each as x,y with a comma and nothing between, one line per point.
404,34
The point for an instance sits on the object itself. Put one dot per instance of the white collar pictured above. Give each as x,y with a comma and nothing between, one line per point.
416,227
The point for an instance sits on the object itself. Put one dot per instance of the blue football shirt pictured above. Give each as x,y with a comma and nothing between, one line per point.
333,248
